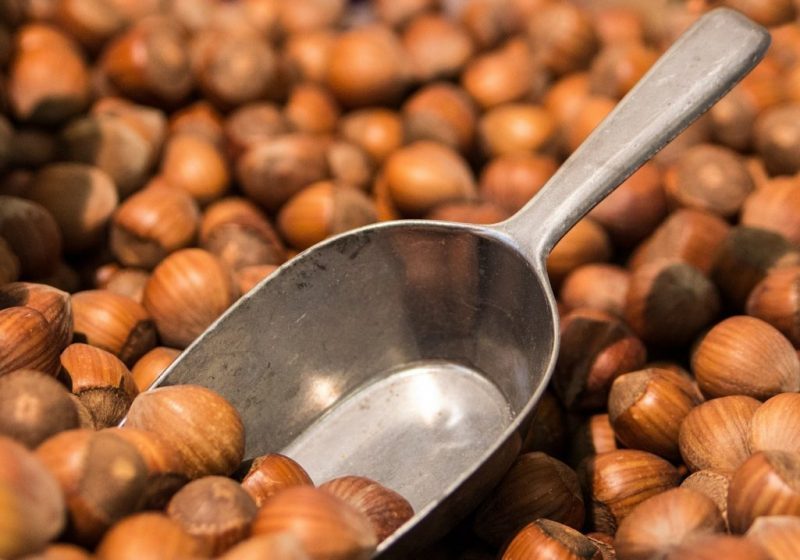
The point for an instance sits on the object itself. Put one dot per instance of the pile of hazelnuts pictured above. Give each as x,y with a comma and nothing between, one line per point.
159,158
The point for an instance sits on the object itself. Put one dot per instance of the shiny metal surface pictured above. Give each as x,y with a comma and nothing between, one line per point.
414,352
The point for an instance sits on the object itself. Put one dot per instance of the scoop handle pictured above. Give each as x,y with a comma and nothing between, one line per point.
702,65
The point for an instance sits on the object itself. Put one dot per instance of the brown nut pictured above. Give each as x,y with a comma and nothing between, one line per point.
248,277
595,349
196,166
469,212
596,286
312,109
711,178
386,510
549,539
202,427
326,526
34,406
149,122
768,483
565,98
215,510
270,474
27,342
562,37
307,54
378,131
91,22
32,234
745,356
101,381
773,425
33,511
774,207
113,322
778,535
587,242
400,12
619,24
252,124
350,165
617,68
323,209
713,484
199,119
617,481
9,263
148,535
368,66
424,174
666,520
48,81
536,486
510,181
775,300
54,304
153,223
151,365
714,435
101,476
61,551
711,547
443,113
128,282
81,198
277,545
308,15
646,408
515,128
587,116
776,136
592,437
437,47
669,302
186,293
745,257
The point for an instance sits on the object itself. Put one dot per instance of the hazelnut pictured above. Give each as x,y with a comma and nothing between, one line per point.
745,356
149,62
153,223
778,535
54,304
469,212
587,242
503,75
367,66
772,427
326,526
768,483
27,341
350,165
587,117
566,96
635,208
34,406
215,510
202,427
198,119
248,277
773,300
185,294
713,484
165,472
48,80
536,486
592,437
386,510
9,263
149,122
276,545
666,520
270,474
769,12
27,147
443,113
510,181
424,174
400,12
596,286
693,236
114,145
745,257
547,432
32,234
515,127
196,166
308,15
619,24
61,551
85,418
81,199
544,538
646,408
711,547
774,207
307,54
114,323
669,302
595,349
101,476
101,382
377,131
32,512
148,535
618,67
485,21
147,368
252,124
617,481
323,209
437,47
311,108
128,282
562,37
270,172
90,22
715,434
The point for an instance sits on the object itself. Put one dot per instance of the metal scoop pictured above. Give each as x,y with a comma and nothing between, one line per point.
414,352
